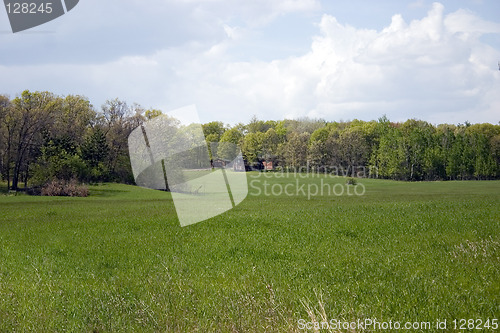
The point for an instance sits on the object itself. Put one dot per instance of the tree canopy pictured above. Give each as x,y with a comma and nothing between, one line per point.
45,137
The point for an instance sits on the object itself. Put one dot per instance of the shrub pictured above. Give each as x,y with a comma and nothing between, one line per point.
64,188
61,166
351,181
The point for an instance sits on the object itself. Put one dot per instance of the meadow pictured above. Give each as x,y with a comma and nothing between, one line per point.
118,260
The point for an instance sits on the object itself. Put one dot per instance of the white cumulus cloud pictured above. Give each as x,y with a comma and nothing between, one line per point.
435,68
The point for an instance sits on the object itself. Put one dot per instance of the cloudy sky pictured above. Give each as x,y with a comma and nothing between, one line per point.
336,60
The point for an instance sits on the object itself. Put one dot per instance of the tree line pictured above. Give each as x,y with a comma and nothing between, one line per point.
413,150
44,137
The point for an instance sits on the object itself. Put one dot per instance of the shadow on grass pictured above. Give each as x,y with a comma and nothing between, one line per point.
3,188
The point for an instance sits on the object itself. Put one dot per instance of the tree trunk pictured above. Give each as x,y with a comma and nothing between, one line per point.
15,179
17,171
8,175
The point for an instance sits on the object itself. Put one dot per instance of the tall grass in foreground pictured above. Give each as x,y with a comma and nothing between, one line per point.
119,261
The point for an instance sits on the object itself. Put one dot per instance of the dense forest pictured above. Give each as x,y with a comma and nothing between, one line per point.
44,137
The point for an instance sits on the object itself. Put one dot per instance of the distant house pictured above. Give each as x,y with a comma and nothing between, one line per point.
267,165
238,165
219,163
259,165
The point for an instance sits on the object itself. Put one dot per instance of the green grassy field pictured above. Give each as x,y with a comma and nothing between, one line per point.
118,261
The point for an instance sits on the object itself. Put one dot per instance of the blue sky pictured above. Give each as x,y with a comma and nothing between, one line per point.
336,60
